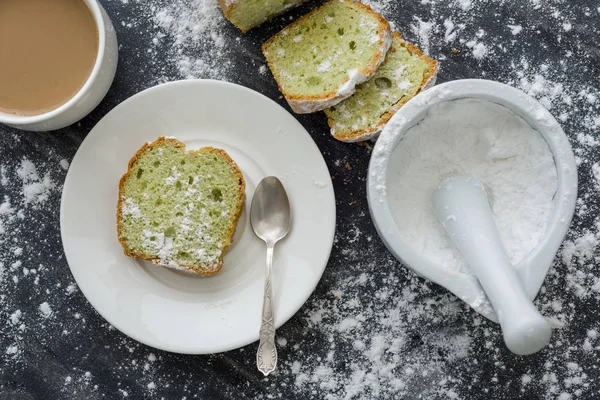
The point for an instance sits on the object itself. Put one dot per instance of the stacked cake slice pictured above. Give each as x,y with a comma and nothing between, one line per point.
342,58
404,73
336,59
318,60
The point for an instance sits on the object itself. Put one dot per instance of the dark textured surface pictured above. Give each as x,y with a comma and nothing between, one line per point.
444,349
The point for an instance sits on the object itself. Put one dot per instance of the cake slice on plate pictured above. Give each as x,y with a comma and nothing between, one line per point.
179,209
319,59
405,72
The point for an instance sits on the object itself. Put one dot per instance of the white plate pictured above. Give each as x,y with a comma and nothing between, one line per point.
171,310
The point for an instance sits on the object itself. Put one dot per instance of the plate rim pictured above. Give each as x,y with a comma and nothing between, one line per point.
174,348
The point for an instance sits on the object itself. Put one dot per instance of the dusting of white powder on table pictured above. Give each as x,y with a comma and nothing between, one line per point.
196,31
489,142
372,329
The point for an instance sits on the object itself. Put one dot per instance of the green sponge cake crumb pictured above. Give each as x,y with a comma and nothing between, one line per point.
247,14
319,59
403,74
179,209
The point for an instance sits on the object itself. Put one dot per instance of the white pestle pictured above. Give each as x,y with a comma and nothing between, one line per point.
461,206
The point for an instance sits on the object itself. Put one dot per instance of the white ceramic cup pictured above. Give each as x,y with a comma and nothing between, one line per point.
90,94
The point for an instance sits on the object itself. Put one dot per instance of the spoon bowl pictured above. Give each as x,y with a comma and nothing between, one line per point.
270,215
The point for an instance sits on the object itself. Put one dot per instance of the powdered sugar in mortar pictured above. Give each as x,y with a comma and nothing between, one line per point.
484,140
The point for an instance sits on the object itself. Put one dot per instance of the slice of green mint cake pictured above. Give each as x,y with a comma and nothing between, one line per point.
247,14
179,209
319,59
405,72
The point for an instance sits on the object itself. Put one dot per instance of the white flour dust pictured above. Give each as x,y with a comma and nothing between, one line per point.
484,140
372,329
28,191
196,31
186,39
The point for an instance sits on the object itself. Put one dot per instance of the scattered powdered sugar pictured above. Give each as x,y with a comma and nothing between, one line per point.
195,32
130,208
15,317
422,29
170,180
450,33
45,309
29,209
479,50
324,66
36,189
464,4
375,347
515,29
3,176
581,249
371,329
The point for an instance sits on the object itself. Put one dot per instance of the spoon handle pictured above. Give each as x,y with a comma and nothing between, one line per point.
266,357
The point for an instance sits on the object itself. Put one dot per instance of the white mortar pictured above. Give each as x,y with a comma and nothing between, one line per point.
533,269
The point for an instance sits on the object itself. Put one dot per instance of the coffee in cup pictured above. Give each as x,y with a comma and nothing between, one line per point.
48,49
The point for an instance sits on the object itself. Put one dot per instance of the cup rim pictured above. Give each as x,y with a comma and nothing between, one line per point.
96,11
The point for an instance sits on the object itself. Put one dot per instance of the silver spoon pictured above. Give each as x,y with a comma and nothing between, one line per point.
270,219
